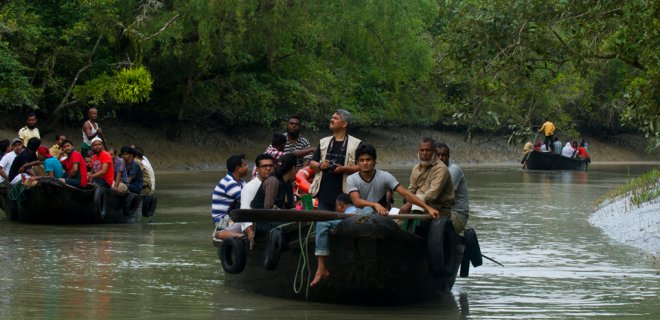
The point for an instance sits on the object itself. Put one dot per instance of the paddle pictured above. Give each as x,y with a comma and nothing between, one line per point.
271,215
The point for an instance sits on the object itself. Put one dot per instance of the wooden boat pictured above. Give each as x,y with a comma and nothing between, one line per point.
372,260
551,161
50,201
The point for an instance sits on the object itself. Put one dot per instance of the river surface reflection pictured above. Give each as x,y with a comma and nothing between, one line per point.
556,265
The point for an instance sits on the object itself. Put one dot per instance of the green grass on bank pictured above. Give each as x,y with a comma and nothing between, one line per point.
642,189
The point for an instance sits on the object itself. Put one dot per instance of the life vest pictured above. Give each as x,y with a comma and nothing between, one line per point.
304,179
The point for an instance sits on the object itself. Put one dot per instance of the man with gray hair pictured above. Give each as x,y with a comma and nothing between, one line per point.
333,162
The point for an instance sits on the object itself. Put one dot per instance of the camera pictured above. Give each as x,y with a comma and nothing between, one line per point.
332,166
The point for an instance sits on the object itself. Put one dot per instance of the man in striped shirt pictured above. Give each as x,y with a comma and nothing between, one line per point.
297,144
227,193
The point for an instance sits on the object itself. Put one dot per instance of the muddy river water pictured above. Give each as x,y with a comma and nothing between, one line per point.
556,265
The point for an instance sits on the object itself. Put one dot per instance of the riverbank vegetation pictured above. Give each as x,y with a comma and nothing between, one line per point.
642,189
475,67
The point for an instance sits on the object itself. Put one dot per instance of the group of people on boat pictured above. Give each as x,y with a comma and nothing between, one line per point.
25,160
344,178
551,144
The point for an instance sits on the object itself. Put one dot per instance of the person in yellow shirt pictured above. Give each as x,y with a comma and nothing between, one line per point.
548,129
30,130
56,149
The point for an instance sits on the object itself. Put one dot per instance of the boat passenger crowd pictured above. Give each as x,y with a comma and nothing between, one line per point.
25,160
340,172
552,144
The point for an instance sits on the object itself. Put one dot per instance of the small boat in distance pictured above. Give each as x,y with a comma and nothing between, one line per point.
537,160
372,261
50,201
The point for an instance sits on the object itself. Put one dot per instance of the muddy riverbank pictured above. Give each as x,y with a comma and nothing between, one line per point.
198,149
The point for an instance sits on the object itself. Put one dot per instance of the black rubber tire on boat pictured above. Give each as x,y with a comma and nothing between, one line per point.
273,249
472,247
233,255
465,265
149,205
441,247
131,204
100,203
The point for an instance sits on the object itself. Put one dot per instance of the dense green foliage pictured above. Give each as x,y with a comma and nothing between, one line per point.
478,66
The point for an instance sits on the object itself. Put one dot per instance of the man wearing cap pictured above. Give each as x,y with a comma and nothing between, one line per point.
103,170
22,165
30,130
51,164
8,159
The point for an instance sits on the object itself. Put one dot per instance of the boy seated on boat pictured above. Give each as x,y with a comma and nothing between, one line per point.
132,180
227,194
21,167
75,166
52,166
103,170
368,189
343,204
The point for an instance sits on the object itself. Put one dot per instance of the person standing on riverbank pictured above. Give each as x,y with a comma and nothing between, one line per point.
297,143
30,130
227,193
548,129
90,130
461,204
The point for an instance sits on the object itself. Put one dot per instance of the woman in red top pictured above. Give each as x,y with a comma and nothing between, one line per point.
582,153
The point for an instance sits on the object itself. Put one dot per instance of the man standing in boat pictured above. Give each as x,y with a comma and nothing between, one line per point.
227,193
90,130
430,181
334,161
30,130
548,129
297,143
461,205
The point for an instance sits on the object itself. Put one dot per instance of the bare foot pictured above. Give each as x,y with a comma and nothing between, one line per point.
320,275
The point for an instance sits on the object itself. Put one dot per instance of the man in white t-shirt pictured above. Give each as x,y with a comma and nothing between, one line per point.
264,167
8,159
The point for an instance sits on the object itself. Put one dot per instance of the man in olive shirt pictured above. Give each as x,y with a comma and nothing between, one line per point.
430,181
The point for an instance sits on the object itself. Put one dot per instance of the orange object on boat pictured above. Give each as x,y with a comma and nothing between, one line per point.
304,179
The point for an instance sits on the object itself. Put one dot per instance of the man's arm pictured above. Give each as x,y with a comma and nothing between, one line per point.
413,199
104,169
303,152
271,187
29,164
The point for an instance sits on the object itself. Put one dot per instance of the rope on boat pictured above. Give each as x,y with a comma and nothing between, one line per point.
16,194
303,262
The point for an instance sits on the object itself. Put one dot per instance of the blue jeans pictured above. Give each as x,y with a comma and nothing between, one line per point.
323,230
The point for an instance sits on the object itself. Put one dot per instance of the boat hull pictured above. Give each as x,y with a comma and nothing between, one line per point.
52,202
374,263
550,161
